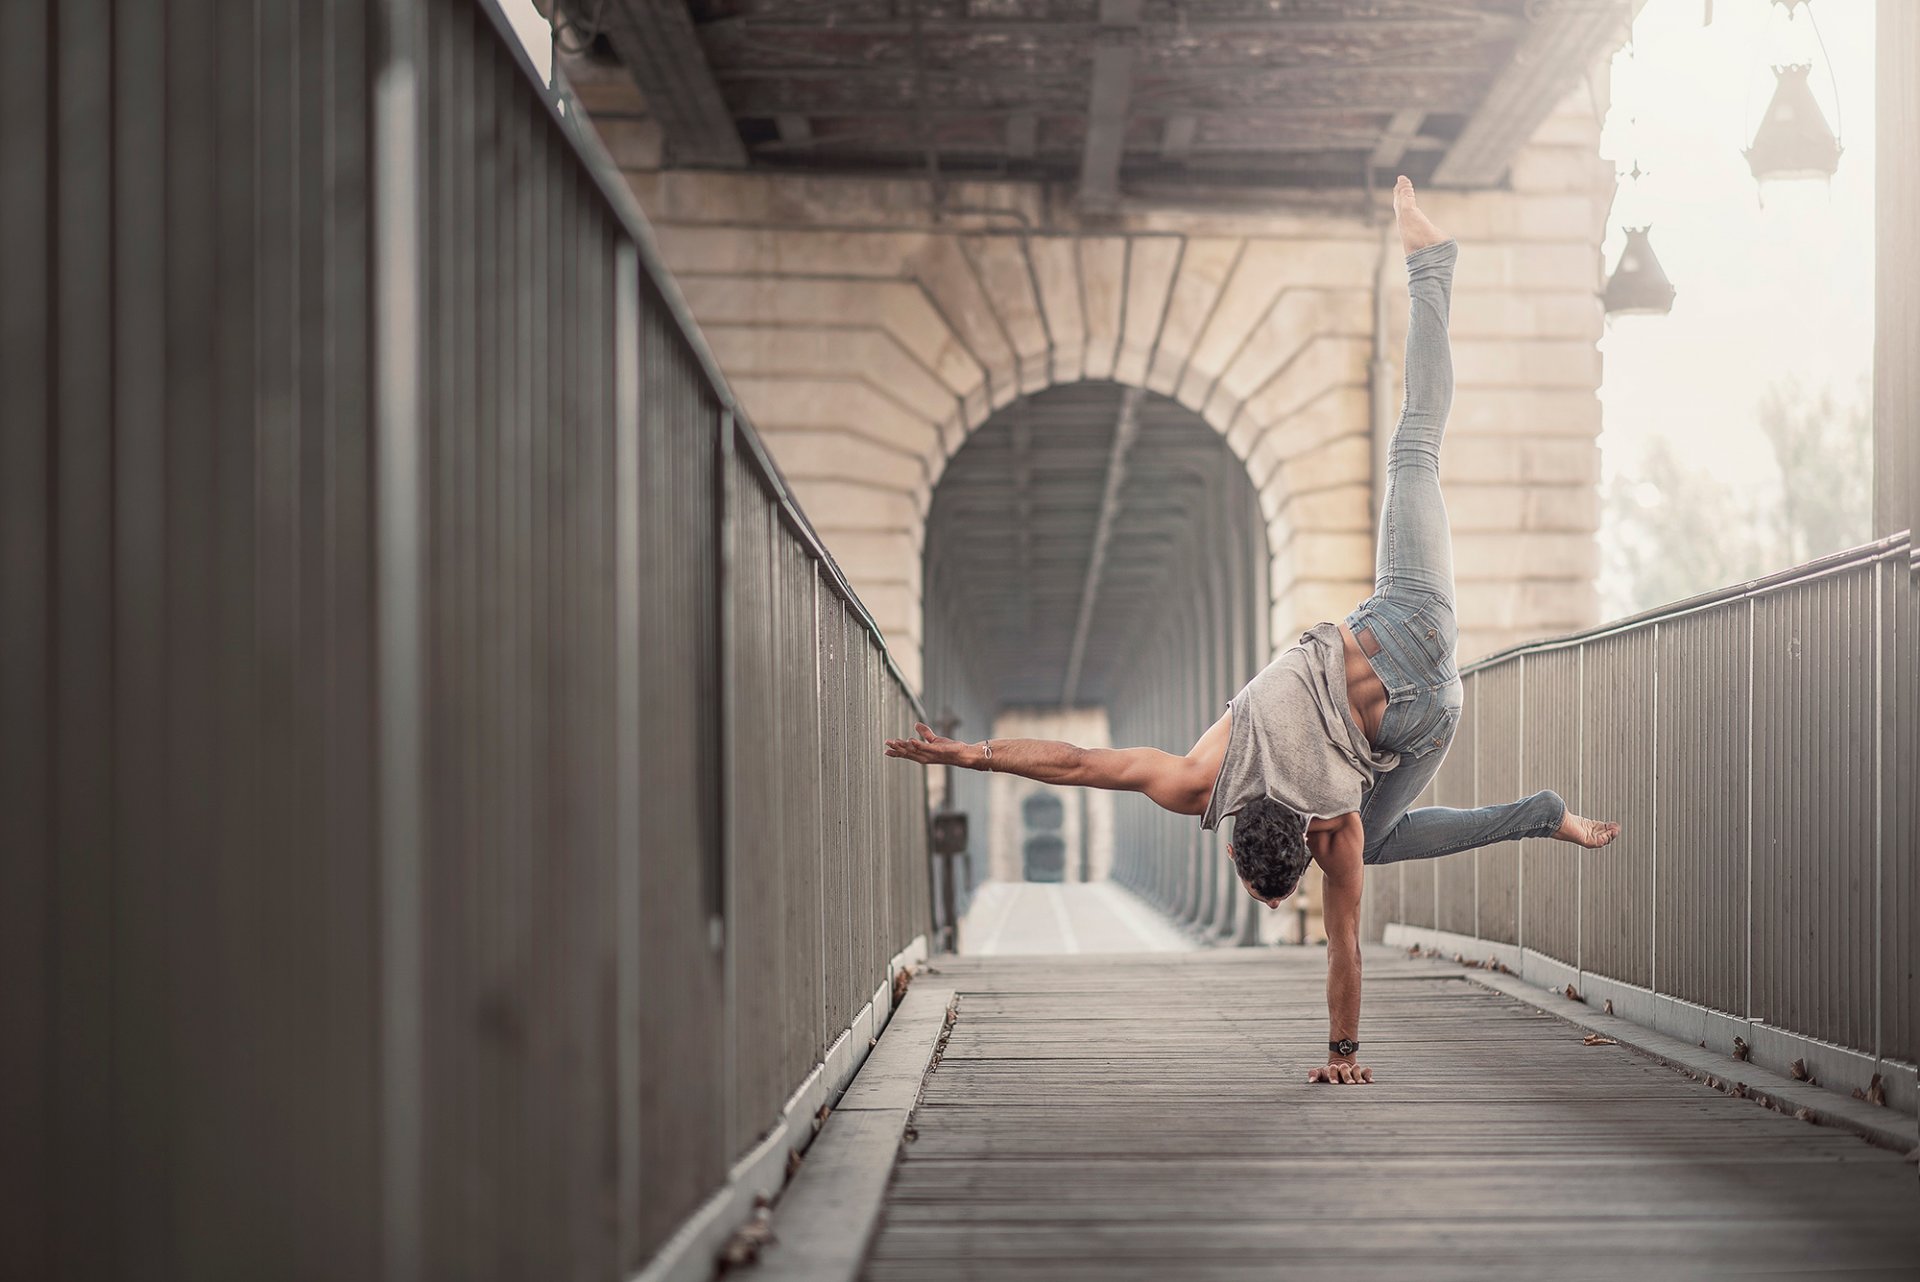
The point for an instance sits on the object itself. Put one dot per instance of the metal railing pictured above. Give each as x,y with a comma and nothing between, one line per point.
1764,884
440,799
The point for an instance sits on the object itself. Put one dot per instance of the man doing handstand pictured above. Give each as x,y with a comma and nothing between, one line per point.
1321,755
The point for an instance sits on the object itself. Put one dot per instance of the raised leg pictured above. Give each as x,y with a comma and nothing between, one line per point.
1414,551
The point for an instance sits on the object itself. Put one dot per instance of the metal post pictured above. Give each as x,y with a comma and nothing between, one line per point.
400,494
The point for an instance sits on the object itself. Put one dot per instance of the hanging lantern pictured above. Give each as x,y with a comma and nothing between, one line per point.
1794,140
1638,286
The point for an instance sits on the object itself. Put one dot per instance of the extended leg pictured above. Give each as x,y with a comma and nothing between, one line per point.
1414,551
1432,831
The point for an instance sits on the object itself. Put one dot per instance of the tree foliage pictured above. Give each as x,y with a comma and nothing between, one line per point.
1672,528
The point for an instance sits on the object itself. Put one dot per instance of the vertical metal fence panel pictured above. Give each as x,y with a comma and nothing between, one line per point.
835,823
1455,878
682,1067
755,937
798,842
1552,747
1417,892
1814,716
28,439
1493,701
1618,734
1899,810
872,812
1381,901
1701,810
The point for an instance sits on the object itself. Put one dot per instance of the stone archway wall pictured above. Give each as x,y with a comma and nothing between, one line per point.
867,329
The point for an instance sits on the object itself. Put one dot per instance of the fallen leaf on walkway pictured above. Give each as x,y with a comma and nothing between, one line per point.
1740,1048
1416,951
1877,1092
1594,1039
744,1247
1714,1082
1606,1005
1799,1070
1573,994
1804,1115
1739,1090
794,1158
901,980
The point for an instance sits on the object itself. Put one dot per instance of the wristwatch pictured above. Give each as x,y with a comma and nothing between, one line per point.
1345,1046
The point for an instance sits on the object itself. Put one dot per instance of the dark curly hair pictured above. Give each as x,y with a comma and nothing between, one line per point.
1270,847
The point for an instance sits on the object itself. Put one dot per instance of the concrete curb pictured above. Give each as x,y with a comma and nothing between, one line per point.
1769,1047
1883,1127
689,1255
824,1221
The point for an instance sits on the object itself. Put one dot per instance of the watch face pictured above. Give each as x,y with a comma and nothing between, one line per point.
1345,1047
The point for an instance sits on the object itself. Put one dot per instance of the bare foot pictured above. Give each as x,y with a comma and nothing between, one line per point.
1416,230
1591,833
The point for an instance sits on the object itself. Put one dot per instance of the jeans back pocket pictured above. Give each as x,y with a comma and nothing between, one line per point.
1433,634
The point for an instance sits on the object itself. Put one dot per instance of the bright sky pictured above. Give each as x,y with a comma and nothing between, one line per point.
1761,292
533,32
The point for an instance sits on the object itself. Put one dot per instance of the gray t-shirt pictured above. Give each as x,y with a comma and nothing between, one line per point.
1294,739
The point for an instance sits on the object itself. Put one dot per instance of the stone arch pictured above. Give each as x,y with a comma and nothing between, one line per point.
866,358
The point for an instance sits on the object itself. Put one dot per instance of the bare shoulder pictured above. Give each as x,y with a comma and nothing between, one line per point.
1337,846
1202,762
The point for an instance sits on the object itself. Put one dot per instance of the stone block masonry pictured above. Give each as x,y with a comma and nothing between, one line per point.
869,327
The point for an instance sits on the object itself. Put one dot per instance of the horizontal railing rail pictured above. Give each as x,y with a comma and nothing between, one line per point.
1891,547
1764,885
443,822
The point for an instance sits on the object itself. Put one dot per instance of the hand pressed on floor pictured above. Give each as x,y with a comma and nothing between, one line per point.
1341,1072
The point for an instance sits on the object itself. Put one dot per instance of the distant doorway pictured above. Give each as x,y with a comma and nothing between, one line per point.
1043,849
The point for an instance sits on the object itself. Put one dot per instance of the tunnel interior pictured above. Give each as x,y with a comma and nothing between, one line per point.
1095,557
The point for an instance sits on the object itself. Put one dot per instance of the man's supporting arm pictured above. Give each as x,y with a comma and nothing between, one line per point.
1338,852
1179,784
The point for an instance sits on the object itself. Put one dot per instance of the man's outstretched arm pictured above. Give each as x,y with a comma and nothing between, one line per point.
1338,852
1179,784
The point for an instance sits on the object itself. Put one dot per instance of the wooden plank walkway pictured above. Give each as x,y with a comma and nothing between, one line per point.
1148,1116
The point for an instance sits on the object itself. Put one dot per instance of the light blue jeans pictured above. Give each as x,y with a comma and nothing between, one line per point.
1407,628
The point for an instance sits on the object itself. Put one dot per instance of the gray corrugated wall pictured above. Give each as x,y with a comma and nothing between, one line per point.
364,829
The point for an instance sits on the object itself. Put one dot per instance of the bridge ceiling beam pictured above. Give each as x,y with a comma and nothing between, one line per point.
1112,89
1117,98
1557,50
656,41
1400,134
